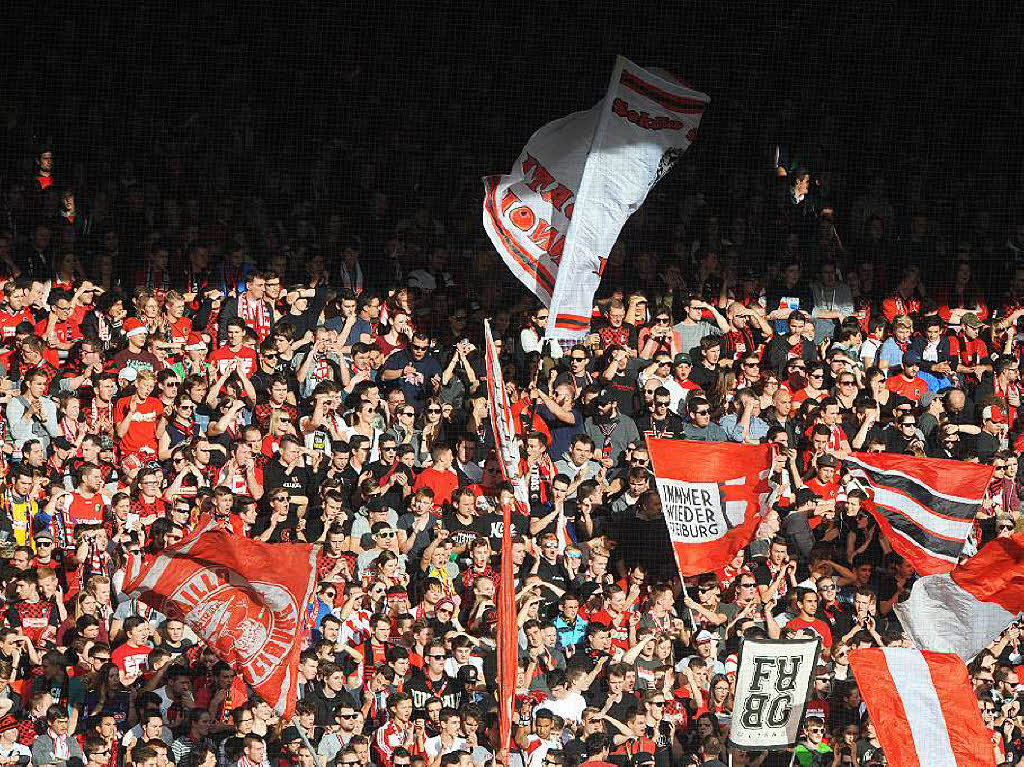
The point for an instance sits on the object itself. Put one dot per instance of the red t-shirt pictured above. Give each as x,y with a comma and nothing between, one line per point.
619,628
84,511
141,435
131,660
222,357
443,483
909,389
817,625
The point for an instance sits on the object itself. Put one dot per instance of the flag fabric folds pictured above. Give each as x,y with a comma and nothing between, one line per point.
965,610
923,708
508,459
246,599
924,506
773,682
712,496
555,217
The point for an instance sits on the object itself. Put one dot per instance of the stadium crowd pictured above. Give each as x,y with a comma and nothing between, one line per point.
176,341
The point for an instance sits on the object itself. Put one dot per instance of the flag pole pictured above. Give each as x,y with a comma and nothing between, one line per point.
306,743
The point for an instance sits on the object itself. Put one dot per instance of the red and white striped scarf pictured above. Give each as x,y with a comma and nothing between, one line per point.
256,315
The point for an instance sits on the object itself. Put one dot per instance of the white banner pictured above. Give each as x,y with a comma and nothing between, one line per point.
505,440
773,680
555,217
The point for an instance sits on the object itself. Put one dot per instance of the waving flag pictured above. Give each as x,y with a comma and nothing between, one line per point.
712,496
508,458
246,599
925,506
923,708
963,611
555,217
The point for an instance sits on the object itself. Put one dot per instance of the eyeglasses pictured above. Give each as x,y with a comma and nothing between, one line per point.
386,534
827,586
816,730
847,383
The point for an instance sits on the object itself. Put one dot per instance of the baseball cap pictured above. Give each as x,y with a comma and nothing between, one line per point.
828,460
128,374
682,359
926,398
705,636
805,495
993,413
911,358
970,318
44,535
288,734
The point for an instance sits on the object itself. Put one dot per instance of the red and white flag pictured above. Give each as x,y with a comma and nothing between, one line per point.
555,217
923,707
963,611
713,495
925,506
507,446
244,598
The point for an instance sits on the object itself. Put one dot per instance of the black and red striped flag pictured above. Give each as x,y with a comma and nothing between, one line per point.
925,506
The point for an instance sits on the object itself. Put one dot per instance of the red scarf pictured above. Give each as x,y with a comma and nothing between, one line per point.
255,315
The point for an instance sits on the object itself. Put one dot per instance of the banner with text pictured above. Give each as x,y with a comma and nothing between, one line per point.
712,496
773,681
555,217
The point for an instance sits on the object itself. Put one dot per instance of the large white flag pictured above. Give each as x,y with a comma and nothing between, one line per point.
555,217
773,680
965,610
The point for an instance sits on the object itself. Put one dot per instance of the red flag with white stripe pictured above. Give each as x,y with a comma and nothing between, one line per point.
712,496
965,610
923,707
925,506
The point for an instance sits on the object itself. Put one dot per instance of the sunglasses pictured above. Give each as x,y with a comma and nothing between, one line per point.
578,359
386,534
419,348
408,413
702,412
